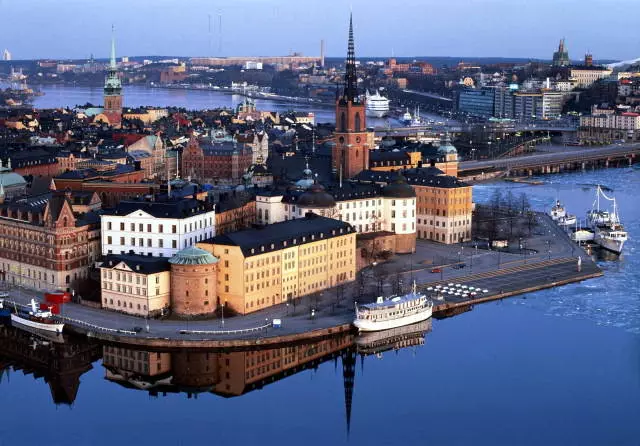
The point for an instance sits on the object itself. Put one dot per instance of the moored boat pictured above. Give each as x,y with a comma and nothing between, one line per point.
557,211
567,220
36,318
377,105
393,312
609,231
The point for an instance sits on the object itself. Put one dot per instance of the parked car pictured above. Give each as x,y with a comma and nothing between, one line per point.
436,270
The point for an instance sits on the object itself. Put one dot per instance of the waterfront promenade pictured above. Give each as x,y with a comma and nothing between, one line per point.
550,259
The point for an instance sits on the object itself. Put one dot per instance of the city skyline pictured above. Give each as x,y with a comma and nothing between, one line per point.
413,29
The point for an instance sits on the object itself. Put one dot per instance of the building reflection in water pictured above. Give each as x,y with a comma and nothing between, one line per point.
228,373
59,360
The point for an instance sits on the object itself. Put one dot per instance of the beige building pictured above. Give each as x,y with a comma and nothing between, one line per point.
138,285
584,76
259,268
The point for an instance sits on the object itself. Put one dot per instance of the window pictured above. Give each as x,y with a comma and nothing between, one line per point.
174,229
109,241
174,244
161,243
160,229
122,241
133,226
122,226
149,228
109,226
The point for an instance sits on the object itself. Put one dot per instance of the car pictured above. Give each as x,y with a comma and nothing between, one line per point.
451,284
137,329
464,287
458,285
473,293
485,291
436,270
430,288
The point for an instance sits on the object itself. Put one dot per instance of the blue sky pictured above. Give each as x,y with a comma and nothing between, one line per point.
508,28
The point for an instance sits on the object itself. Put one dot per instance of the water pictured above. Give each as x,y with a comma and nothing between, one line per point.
136,96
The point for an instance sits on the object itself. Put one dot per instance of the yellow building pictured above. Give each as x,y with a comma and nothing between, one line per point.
259,268
136,285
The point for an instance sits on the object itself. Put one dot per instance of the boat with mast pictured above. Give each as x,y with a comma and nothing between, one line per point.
609,231
36,318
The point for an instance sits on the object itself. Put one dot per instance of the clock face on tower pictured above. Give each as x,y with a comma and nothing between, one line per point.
341,140
358,139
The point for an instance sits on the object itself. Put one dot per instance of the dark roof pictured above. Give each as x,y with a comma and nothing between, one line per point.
415,177
388,155
350,190
182,208
288,233
142,264
398,188
316,197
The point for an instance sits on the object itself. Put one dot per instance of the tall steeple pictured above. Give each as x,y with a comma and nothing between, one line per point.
113,88
351,151
112,65
351,76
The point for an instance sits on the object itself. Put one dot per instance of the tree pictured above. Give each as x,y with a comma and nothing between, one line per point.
525,205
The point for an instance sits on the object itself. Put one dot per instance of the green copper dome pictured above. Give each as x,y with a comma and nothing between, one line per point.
193,256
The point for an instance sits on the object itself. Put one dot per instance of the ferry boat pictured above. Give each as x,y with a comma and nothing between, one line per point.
609,231
36,318
406,118
558,211
393,312
377,105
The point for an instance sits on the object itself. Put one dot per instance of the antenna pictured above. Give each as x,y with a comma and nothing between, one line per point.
210,37
219,32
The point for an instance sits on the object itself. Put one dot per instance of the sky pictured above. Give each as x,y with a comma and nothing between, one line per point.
458,28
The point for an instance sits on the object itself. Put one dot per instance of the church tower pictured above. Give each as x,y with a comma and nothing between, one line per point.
113,90
351,150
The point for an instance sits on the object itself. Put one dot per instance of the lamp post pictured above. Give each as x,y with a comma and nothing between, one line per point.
549,248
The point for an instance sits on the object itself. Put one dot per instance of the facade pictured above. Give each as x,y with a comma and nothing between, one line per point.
444,205
606,126
476,102
267,60
156,228
585,76
44,244
527,105
367,208
259,268
219,163
350,154
193,283
552,103
259,143
135,284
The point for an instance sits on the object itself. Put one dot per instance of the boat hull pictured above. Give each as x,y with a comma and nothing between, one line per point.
614,246
377,113
368,325
55,328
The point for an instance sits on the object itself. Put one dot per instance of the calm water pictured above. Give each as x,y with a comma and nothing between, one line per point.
136,96
559,367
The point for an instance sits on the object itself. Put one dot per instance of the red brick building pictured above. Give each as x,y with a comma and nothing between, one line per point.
218,163
44,244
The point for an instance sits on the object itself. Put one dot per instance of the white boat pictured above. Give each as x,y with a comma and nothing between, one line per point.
377,105
558,211
582,235
407,118
567,220
396,311
609,231
36,318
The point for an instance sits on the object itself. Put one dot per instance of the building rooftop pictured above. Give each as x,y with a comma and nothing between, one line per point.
137,263
285,234
182,208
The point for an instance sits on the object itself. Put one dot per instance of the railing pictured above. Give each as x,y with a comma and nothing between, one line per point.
222,332
95,327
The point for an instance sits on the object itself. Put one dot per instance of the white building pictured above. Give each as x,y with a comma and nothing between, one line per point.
367,207
585,76
158,229
252,65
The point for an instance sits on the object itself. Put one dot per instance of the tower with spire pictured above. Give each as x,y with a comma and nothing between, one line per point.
561,57
352,141
113,89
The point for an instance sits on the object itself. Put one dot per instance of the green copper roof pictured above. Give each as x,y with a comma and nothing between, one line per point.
193,256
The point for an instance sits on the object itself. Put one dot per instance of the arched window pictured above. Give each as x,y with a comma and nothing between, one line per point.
343,122
67,279
357,122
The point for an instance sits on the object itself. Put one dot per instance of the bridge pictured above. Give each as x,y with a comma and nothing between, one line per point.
570,159
457,127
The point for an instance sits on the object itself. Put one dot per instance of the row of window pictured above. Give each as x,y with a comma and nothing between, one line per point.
123,304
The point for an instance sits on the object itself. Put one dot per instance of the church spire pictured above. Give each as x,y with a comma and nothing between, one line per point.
351,76
113,48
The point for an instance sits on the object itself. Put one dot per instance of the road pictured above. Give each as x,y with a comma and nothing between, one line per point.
572,154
